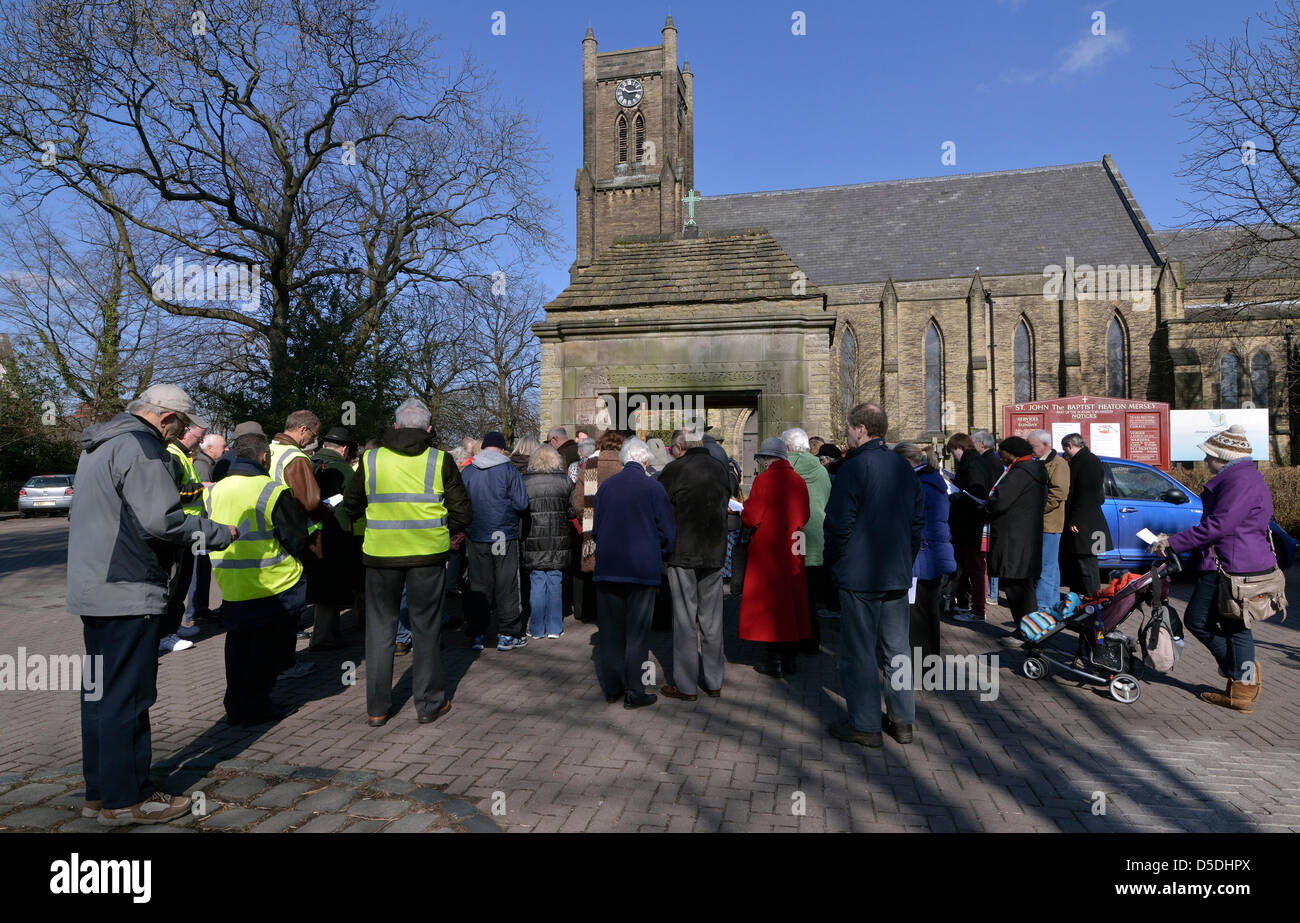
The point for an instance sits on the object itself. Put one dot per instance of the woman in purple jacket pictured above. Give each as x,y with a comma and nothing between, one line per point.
1233,527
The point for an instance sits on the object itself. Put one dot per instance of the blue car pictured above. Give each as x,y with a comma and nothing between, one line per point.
1141,497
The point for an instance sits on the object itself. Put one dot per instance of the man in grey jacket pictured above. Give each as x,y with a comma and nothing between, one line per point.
125,527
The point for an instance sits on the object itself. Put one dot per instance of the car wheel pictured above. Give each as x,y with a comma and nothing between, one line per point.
25,514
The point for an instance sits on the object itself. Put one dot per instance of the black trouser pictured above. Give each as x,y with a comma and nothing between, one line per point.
201,601
624,612
821,592
812,645
116,745
584,596
493,585
253,660
925,615
178,591
1022,596
424,601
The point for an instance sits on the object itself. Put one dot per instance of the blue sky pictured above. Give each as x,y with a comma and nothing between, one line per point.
872,90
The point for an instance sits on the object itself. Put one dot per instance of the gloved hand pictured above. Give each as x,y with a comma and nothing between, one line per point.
1161,545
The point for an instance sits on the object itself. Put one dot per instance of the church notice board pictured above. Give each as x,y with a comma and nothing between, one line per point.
1120,428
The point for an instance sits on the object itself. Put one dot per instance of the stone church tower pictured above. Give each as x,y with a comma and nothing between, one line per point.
637,144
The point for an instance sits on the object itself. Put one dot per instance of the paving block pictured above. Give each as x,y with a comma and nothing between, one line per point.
282,795
458,808
31,793
394,786
233,818
428,796
327,800
325,823
41,817
379,807
481,823
364,826
315,772
280,821
414,823
240,788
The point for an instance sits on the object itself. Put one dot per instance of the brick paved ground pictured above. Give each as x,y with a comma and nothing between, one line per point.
530,735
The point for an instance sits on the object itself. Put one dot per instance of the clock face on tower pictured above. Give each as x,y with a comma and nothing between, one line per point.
628,92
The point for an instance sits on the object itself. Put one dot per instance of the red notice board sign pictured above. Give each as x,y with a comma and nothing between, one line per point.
1138,430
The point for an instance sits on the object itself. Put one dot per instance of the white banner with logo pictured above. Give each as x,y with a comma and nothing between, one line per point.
1189,428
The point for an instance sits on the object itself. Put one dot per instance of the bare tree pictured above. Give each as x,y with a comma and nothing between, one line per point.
300,141
1240,98
67,292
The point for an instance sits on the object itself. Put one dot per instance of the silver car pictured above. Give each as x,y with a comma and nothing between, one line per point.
46,493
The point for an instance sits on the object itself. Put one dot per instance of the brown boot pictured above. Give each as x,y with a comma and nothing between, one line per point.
1237,697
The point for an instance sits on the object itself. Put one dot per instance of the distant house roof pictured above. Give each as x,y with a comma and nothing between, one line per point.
1009,222
1223,253
739,266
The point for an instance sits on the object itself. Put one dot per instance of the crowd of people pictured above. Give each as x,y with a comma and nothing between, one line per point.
301,527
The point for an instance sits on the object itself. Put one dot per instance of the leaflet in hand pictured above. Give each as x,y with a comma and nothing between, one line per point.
1147,536
334,500
735,505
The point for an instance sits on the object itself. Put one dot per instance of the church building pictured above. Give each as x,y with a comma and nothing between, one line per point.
941,298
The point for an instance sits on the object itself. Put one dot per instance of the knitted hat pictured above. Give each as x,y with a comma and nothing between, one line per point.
772,447
1228,445
494,440
1015,445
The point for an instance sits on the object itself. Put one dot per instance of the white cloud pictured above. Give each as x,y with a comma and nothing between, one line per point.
1092,51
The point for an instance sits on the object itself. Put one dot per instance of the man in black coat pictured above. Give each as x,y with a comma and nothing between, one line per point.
1086,534
699,487
334,579
1015,511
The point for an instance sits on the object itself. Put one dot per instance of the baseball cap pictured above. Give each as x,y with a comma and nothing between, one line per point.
173,398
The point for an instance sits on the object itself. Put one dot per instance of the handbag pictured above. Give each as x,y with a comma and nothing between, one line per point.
1250,598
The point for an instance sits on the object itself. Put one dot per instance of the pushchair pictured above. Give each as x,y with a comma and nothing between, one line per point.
1104,654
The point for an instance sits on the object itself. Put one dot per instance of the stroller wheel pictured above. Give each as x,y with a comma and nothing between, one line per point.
1125,689
1034,667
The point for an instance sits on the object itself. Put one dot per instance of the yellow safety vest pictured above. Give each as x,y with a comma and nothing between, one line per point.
281,455
405,513
190,480
255,565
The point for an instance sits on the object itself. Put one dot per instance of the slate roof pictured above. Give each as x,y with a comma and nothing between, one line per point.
1211,254
747,265
1009,222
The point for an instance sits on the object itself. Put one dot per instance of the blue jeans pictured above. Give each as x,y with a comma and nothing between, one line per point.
1230,641
546,589
1048,590
875,628
993,590
404,633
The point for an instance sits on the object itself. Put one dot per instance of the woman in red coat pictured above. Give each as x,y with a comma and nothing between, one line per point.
774,598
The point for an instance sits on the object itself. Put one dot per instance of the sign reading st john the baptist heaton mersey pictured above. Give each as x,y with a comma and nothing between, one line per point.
1120,428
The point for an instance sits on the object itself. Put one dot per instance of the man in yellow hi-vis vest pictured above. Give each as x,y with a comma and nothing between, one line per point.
413,499
290,464
260,577
171,637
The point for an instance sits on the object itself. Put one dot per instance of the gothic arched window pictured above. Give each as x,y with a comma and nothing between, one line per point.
638,125
1116,359
1228,372
1024,363
848,369
622,138
933,378
1260,379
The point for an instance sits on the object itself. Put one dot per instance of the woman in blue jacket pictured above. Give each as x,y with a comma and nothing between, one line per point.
935,561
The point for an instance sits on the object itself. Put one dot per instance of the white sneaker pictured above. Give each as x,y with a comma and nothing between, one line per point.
297,670
174,643
553,637
188,631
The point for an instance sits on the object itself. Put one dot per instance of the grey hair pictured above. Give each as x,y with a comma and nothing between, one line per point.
459,455
139,406
412,413
586,448
557,432
983,437
204,442
914,454
634,450
1075,440
526,445
795,439
1041,435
